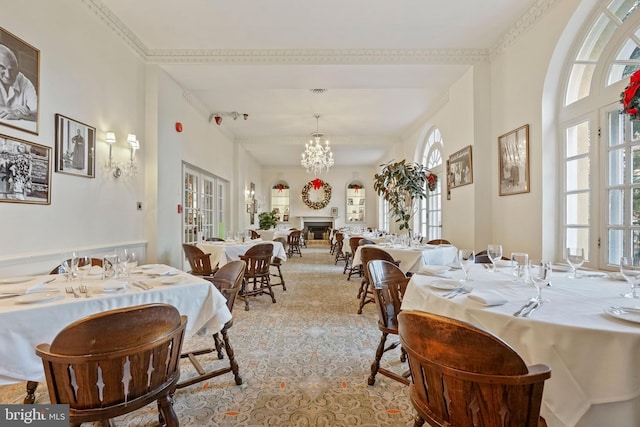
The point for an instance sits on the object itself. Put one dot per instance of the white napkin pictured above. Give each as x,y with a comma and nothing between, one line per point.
259,239
113,286
162,271
432,269
503,263
487,298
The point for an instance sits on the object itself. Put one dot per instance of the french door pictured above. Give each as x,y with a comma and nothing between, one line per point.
204,205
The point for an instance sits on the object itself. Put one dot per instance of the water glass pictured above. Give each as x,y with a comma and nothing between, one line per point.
575,259
110,266
540,275
630,270
84,266
494,252
70,266
466,259
519,266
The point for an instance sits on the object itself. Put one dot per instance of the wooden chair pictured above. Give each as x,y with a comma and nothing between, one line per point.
463,375
348,265
293,241
388,283
60,270
438,242
215,239
88,361
254,234
199,261
338,251
370,253
228,279
276,263
257,275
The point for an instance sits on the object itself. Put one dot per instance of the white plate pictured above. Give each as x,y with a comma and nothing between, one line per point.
560,267
38,297
444,285
110,289
629,314
14,280
150,266
172,280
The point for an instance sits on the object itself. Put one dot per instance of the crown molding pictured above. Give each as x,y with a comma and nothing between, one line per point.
526,21
300,141
319,56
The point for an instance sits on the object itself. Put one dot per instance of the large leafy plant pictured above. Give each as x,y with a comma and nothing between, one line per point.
401,184
268,220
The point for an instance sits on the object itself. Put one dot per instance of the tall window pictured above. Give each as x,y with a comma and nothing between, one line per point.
429,217
600,148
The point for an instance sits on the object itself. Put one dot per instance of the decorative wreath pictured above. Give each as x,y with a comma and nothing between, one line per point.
317,184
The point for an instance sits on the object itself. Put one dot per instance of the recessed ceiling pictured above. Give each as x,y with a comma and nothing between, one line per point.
385,65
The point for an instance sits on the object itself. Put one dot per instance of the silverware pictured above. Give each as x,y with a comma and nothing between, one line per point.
3,296
458,291
50,280
141,285
533,308
524,308
71,290
84,291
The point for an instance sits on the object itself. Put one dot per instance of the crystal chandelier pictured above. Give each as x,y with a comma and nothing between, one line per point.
317,157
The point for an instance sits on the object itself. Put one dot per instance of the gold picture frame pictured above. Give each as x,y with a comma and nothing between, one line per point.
513,153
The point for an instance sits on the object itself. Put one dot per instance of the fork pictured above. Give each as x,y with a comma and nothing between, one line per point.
458,291
84,291
71,290
523,310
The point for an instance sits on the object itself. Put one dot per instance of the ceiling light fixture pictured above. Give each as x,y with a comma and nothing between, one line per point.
316,157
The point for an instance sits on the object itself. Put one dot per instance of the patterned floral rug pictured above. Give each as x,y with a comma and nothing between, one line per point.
304,360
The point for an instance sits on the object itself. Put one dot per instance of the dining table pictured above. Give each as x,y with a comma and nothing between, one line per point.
227,251
586,332
33,309
272,234
414,258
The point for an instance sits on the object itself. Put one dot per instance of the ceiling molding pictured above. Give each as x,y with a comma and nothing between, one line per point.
319,56
525,22
117,26
301,140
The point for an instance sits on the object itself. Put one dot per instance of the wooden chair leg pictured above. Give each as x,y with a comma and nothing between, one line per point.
167,414
232,359
375,366
218,345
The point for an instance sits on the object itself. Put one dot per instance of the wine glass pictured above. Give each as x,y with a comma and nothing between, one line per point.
575,258
130,262
519,266
494,252
70,265
630,270
84,265
540,275
466,259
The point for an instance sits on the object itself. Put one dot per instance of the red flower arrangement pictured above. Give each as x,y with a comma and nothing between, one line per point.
630,98
432,180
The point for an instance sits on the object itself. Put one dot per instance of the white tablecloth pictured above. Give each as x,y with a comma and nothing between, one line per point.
23,326
594,357
412,259
224,252
269,235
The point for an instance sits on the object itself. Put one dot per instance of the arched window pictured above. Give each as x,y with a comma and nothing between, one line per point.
429,217
600,147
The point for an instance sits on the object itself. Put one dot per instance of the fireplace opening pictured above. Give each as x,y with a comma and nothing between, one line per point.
317,230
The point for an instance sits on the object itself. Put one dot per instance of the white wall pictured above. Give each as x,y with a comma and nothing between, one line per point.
337,177
87,74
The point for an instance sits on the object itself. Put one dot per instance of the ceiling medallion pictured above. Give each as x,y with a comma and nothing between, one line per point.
316,194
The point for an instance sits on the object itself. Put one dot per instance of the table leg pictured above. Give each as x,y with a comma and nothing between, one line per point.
31,392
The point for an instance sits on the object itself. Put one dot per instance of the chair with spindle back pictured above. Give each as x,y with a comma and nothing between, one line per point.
199,261
369,253
88,362
257,274
463,375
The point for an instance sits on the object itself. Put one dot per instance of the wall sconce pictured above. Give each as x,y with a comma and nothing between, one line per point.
249,196
120,168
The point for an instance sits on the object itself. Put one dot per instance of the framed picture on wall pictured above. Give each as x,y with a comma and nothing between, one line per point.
513,149
334,211
20,111
75,147
460,168
25,171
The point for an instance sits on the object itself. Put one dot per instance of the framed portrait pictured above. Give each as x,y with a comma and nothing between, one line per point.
25,171
20,111
75,147
334,211
513,152
460,168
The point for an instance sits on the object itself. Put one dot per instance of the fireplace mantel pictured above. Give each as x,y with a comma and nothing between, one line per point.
319,218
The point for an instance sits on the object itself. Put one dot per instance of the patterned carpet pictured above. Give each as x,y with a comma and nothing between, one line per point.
304,360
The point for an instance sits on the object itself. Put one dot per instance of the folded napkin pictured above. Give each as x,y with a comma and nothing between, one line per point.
432,269
487,298
503,263
259,239
29,288
162,271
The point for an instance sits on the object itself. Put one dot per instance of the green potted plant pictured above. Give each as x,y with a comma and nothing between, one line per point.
268,220
401,184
